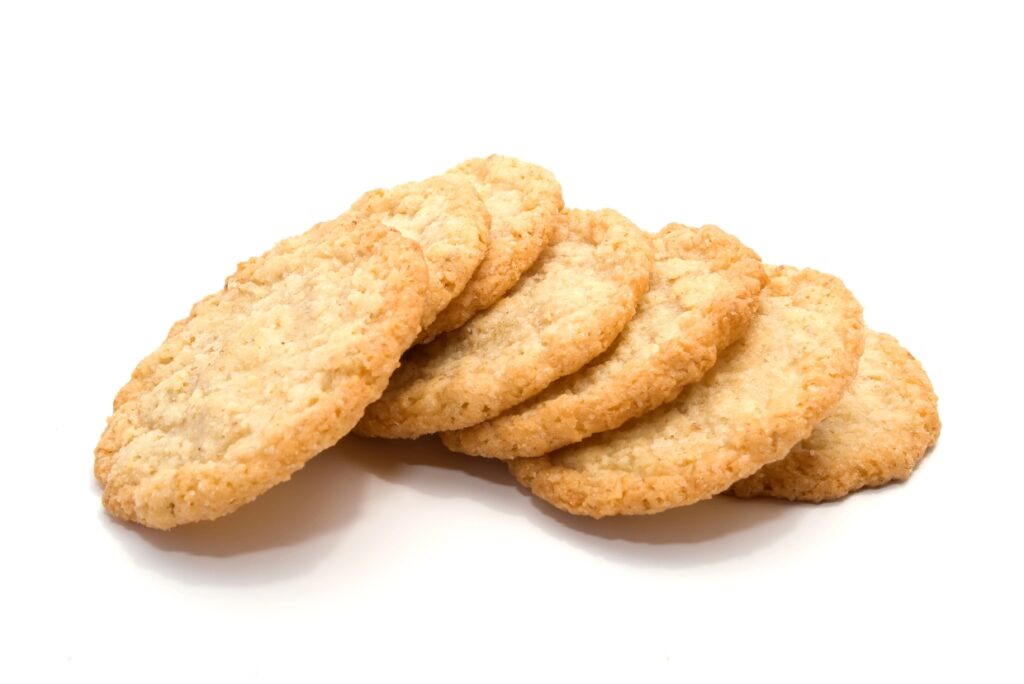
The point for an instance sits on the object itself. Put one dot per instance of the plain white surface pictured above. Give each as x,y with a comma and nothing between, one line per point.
146,150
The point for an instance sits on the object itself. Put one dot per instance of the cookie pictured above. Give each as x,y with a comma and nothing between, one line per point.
704,291
765,394
262,375
524,202
449,221
566,310
878,433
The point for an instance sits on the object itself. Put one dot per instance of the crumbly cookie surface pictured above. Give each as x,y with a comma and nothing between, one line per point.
704,290
446,216
524,202
565,311
764,395
878,433
262,375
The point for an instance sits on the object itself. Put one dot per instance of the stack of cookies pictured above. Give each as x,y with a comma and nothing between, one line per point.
617,372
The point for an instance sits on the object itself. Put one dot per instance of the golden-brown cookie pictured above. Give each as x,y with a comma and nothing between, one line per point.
764,395
524,201
704,290
448,219
262,375
878,433
565,311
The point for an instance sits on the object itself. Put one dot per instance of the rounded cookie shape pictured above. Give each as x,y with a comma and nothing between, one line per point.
565,311
262,375
524,201
703,293
879,431
448,219
764,395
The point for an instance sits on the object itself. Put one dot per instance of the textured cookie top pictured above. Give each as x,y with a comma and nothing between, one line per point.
524,201
763,396
704,291
262,375
448,219
879,432
565,311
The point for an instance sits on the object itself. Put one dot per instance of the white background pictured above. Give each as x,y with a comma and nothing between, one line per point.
146,150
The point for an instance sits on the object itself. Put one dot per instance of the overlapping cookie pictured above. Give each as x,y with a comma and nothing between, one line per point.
765,394
565,311
524,201
878,433
262,375
618,373
704,290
